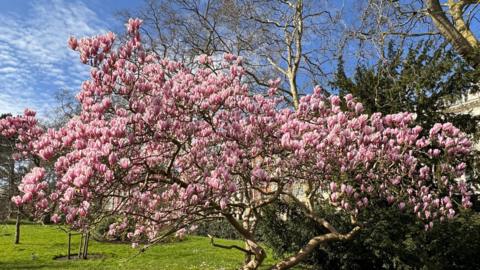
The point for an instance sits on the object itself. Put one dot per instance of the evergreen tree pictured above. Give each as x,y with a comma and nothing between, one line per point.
7,177
424,79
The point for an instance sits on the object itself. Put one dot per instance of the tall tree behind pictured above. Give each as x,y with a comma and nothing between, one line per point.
67,108
6,176
454,21
276,38
422,79
10,176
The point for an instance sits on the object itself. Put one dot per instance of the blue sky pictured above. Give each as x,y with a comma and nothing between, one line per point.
35,61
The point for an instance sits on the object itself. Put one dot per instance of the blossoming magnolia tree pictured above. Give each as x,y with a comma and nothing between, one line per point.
164,147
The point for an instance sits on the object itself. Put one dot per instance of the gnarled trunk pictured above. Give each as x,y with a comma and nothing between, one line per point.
256,257
310,246
254,253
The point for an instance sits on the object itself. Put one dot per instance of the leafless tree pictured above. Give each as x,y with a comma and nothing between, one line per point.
276,38
408,21
67,107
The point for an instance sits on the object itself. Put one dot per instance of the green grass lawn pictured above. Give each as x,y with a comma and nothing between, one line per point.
40,244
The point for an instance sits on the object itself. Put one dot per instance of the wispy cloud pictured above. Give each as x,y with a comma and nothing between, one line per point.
34,59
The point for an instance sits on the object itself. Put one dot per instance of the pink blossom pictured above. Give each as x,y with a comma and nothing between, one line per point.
72,42
333,186
204,59
229,57
17,200
55,218
124,163
358,108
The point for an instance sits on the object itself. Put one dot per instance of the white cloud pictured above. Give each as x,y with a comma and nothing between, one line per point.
34,58
7,69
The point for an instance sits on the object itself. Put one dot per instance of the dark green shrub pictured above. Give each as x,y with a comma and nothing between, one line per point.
454,245
390,240
101,229
217,228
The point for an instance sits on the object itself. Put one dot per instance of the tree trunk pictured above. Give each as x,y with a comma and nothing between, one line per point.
12,187
80,248
310,246
468,50
85,246
17,228
83,249
255,259
294,91
69,244
257,253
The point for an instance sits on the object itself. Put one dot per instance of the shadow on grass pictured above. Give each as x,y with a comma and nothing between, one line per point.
73,257
29,265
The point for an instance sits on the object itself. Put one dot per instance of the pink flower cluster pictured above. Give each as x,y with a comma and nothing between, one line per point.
23,129
162,145
33,188
354,158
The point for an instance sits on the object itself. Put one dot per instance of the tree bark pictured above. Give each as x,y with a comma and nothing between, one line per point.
85,245
464,45
80,248
69,245
292,81
12,187
310,246
457,11
257,256
17,228
256,253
